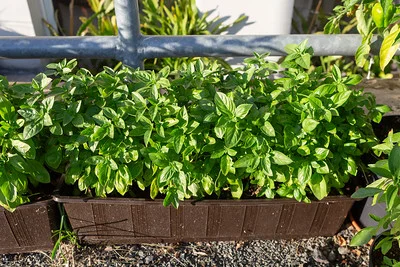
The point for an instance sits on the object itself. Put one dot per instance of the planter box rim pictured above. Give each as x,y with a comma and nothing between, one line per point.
28,205
148,201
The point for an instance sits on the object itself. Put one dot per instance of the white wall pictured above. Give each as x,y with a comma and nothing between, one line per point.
24,18
15,18
264,16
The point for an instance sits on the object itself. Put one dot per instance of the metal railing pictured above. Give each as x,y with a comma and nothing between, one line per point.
131,47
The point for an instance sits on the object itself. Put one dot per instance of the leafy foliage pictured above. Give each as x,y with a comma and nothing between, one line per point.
24,111
210,130
384,190
373,17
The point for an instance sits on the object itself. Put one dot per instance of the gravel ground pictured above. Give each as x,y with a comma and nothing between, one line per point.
319,251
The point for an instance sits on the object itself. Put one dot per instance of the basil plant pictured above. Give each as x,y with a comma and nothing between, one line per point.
24,112
203,130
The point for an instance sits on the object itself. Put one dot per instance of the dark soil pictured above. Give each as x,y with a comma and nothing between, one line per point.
388,123
376,256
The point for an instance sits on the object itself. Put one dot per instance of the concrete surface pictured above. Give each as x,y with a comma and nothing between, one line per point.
386,92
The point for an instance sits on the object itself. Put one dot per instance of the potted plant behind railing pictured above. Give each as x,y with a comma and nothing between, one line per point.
209,133
385,250
379,18
23,115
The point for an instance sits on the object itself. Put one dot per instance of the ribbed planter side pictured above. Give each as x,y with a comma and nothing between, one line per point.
123,220
29,227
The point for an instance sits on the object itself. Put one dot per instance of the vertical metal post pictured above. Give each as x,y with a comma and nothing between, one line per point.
128,22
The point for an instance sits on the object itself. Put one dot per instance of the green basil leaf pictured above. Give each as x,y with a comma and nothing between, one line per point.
32,129
304,173
321,153
87,181
47,121
183,114
169,122
224,104
40,82
323,168
113,165
219,131
325,89
56,129
73,173
38,171
110,113
304,150
121,182
153,189
245,161
242,110
353,79
304,61
178,143
9,190
102,172
159,159
336,73
309,125
78,121
23,147
225,164
232,136
280,159
18,163
7,110
383,108
171,198
165,176
48,102
147,136
319,186
351,166
266,166
389,46
99,132
53,157
340,98
29,114
216,154
139,100
208,184
268,129
136,169
20,181
236,186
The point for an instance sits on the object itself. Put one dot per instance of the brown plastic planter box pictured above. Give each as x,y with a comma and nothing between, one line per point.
29,227
113,220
